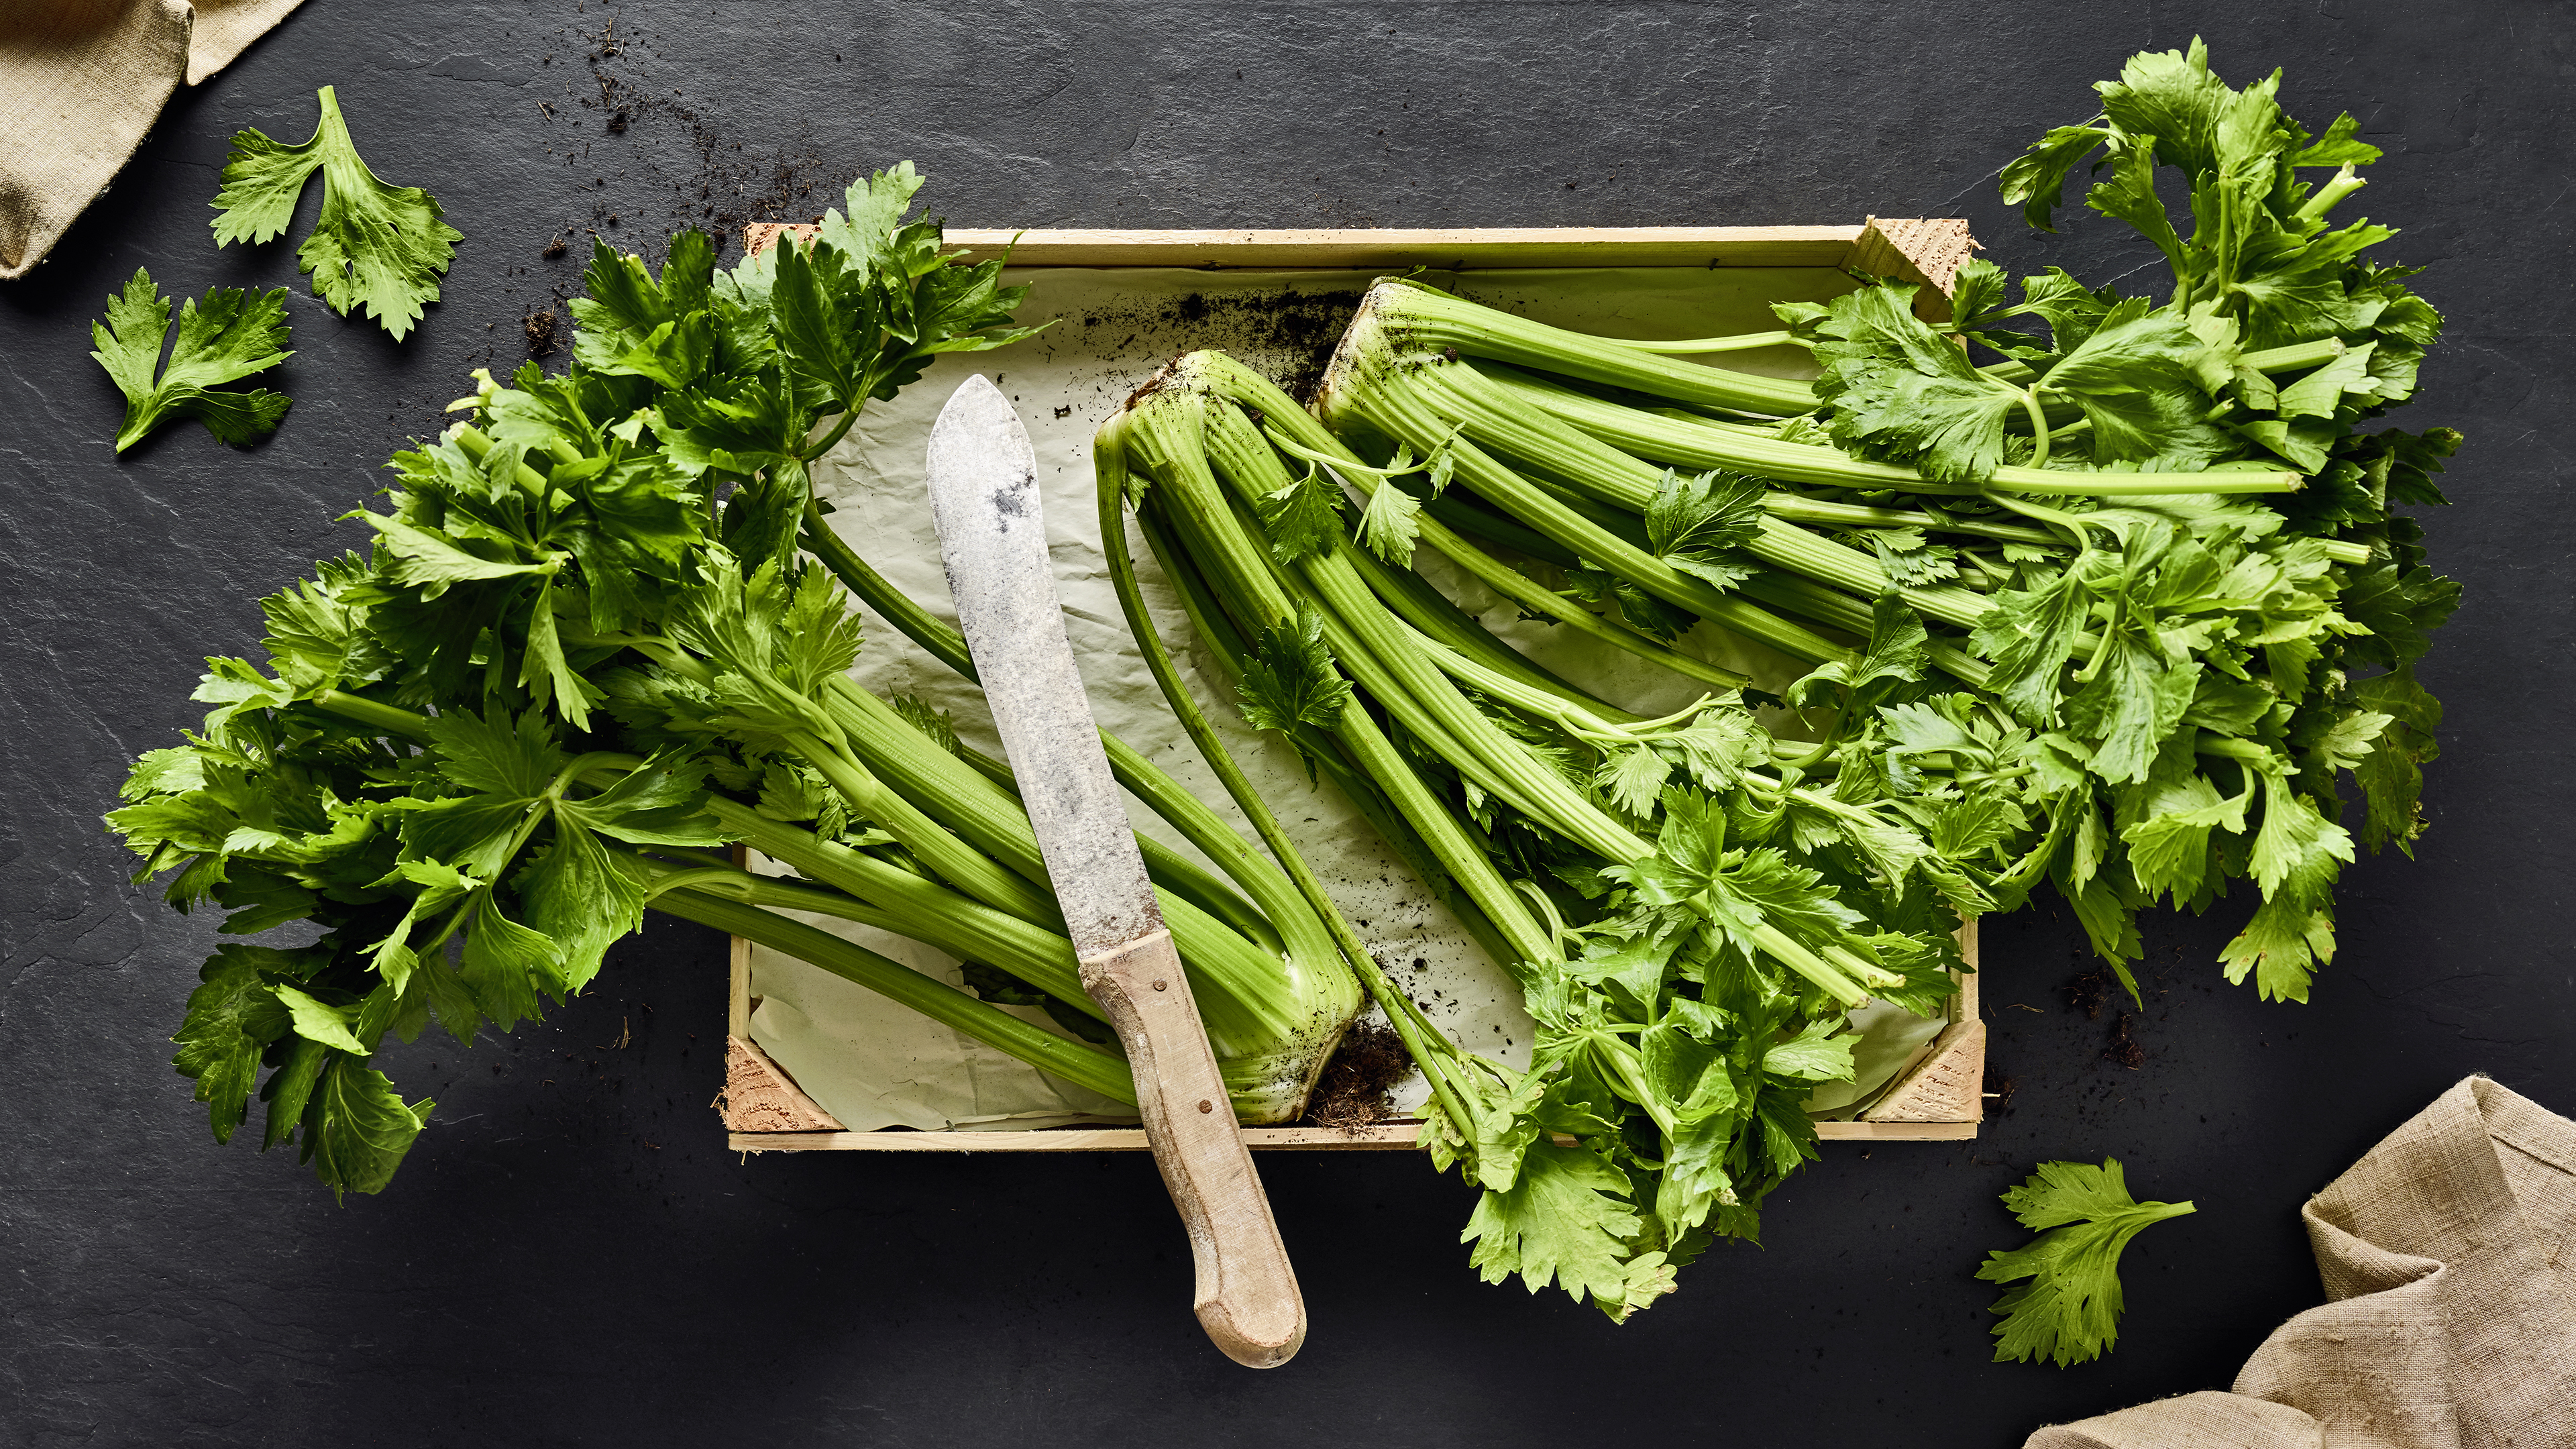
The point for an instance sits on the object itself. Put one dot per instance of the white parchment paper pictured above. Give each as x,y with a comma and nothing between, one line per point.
872,1064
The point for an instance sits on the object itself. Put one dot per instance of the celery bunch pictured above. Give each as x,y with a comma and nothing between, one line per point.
2152,549
2109,606
602,635
1692,911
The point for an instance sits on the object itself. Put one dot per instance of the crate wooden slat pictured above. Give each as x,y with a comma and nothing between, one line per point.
1938,1097
1922,250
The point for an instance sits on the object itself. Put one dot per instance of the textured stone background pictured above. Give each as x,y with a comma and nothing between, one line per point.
572,1257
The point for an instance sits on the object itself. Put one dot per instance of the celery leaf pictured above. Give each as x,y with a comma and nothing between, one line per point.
235,334
233,1016
1289,678
357,1128
1567,1220
1304,518
1391,523
2069,1311
1697,524
378,246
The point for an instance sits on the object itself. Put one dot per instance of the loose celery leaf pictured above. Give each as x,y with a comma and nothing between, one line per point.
1695,524
1976,289
1391,523
928,718
2138,378
2338,146
2070,310
1304,518
233,335
1909,556
2296,854
1655,618
1634,779
1899,651
375,245
1290,680
2070,1310
2030,634
2129,193
582,897
318,1021
1815,1054
633,324
2169,849
2401,607
506,964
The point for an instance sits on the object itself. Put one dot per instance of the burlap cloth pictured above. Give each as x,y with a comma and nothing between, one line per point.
2450,1323
81,81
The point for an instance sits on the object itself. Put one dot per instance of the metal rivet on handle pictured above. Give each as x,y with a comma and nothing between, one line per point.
1159,985
1207,1107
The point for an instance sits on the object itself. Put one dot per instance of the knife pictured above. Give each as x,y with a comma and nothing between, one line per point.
992,540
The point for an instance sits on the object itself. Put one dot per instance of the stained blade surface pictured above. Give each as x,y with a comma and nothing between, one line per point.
992,541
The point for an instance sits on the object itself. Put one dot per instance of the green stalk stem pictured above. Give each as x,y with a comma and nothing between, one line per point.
1697,346
1084,1066
1162,794
1374,636
1324,752
1798,509
1537,598
1680,442
1409,598
1429,1048
930,842
1421,319
1685,443
1623,481
987,811
1398,415
1245,576
909,905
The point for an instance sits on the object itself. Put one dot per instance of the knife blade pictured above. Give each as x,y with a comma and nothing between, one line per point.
992,541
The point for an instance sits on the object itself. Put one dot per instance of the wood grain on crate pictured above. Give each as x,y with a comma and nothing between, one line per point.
759,1096
1938,1096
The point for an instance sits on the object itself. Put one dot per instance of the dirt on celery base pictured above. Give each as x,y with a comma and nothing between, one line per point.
1352,1093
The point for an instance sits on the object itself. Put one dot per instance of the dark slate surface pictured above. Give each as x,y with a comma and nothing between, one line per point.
572,1257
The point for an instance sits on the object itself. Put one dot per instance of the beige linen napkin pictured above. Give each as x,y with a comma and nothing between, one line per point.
81,81
2450,1322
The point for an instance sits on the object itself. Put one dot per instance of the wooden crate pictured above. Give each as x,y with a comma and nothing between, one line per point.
1938,1098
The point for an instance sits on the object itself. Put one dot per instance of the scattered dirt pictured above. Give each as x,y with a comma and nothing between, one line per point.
2124,1049
555,247
2088,992
543,330
1286,334
729,183
1353,1091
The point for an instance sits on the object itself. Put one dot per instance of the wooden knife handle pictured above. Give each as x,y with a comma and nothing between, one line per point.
1247,1293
